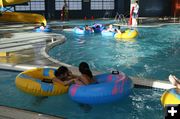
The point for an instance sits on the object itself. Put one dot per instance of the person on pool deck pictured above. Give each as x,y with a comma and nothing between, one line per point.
175,81
86,75
63,76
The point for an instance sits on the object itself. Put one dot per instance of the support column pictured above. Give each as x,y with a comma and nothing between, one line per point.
50,9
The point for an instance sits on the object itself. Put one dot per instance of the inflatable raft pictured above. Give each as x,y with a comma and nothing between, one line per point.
128,34
108,88
171,96
38,82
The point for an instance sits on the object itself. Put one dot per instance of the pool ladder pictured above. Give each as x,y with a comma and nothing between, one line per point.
120,19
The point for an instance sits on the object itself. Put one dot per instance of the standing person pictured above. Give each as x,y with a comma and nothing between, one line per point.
135,13
136,9
64,12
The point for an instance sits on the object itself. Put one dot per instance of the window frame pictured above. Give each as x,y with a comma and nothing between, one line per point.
103,5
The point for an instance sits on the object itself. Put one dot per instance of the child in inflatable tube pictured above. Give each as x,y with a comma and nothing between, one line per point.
65,77
86,75
82,30
98,28
42,28
102,88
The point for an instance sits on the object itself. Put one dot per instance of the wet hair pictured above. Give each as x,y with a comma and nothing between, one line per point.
61,71
84,69
115,30
97,26
42,24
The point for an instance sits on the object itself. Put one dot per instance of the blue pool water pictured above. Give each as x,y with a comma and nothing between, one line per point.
141,104
154,54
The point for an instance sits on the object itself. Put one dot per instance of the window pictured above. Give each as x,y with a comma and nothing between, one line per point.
23,7
34,5
72,4
37,5
75,5
96,5
102,4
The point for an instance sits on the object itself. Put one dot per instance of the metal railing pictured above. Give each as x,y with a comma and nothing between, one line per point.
120,19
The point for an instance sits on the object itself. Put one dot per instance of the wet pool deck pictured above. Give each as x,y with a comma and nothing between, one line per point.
27,50
14,113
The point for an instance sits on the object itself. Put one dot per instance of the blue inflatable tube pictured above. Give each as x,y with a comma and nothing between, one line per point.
109,87
98,28
107,33
81,31
45,30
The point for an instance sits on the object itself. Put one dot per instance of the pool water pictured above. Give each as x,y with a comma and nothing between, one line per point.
81,22
141,104
154,54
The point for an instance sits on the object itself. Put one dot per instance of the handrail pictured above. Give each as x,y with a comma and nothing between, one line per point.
120,18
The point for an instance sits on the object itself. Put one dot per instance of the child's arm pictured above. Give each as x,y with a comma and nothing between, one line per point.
84,80
63,82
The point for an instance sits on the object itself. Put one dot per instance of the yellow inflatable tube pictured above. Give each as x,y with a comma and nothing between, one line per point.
31,82
170,97
128,34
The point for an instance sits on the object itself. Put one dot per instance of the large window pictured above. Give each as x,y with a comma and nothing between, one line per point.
37,5
102,4
34,5
72,4
23,7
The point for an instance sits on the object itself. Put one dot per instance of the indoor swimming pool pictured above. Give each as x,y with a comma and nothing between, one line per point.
153,54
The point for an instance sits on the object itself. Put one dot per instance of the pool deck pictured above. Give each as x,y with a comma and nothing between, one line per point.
27,50
14,113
